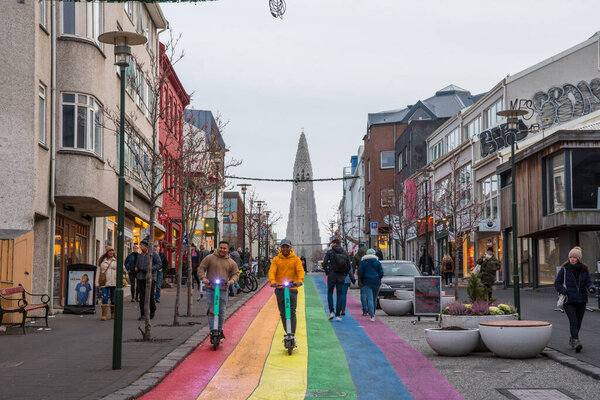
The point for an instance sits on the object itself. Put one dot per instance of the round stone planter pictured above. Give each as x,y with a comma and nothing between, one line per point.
396,307
473,321
516,339
404,294
452,342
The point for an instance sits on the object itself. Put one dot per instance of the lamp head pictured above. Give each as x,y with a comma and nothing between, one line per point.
512,118
122,42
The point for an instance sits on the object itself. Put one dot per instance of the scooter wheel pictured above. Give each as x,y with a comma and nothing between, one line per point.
215,345
289,351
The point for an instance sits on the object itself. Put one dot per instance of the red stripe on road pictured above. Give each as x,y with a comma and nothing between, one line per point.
191,377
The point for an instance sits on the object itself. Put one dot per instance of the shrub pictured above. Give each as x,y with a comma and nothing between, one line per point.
456,308
475,289
480,307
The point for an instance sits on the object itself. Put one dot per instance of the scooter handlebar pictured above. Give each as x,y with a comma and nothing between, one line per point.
289,285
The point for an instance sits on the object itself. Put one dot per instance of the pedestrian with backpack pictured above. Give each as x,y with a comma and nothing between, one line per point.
337,265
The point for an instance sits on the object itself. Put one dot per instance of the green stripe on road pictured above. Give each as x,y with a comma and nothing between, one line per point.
328,372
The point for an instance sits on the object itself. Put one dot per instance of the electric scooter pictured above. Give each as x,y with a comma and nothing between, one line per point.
289,341
215,333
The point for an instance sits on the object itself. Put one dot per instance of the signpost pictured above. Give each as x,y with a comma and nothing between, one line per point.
428,296
374,228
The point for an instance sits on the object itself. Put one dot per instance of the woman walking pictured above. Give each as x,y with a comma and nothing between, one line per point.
574,281
106,279
447,269
370,273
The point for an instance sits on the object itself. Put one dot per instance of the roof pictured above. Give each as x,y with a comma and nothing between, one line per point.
445,103
204,120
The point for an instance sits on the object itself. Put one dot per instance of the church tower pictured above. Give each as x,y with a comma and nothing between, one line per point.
303,226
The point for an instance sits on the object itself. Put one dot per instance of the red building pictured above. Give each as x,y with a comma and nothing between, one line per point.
173,100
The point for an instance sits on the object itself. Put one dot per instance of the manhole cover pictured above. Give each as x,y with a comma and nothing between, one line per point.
538,394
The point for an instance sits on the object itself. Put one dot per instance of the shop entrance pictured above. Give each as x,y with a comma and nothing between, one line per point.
70,247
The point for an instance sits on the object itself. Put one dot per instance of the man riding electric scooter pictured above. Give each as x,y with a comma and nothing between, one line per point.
218,269
287,268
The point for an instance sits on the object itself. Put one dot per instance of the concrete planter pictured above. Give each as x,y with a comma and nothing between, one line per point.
404,294
396,307
446,300
516,339
459,342
473,321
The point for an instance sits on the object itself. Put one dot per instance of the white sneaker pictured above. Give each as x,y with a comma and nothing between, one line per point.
331,315
338,319
372,319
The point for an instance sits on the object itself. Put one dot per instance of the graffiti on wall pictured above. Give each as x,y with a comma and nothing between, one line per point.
554,106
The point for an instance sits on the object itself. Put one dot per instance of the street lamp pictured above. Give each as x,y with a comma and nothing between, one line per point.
122,42
267,213
259,204
221,155
512,125
244,187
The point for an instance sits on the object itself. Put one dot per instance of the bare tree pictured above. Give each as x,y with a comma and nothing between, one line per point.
402,213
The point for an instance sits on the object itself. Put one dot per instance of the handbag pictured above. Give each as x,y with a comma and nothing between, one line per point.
560,303
477,269
102,277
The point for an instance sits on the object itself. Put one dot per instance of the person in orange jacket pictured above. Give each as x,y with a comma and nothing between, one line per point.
286,267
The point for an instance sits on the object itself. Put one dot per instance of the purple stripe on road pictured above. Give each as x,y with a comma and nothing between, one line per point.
420,377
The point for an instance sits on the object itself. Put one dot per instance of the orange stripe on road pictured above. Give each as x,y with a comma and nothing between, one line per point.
240,373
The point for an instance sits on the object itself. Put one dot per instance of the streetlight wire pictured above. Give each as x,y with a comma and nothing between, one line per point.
292,180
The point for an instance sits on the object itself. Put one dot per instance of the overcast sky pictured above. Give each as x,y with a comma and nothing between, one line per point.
329,63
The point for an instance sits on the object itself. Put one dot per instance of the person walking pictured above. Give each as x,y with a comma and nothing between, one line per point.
426,263
106,279
337,265
142,269
378,253
574,281
237,257
130,267
246,256
347,281
360,253
303,261
218,266
286,267
164,265
370,273
195,264
447,269
488,267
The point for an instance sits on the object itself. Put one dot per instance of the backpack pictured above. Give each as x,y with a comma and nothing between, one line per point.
340,262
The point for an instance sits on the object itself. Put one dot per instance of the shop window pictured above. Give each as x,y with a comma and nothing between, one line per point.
556,183
586,178
590,242
548,260
489,197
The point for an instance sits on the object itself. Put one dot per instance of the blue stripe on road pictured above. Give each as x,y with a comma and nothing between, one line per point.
373,376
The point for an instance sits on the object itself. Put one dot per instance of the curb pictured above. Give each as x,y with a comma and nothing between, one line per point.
163,368
572,362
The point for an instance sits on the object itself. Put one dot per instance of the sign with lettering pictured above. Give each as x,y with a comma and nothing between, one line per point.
428,295
374,228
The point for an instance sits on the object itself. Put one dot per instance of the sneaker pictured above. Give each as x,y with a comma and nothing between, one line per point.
294,337
578,346
338,319
372,319
158,301
331,315
365,313
572,343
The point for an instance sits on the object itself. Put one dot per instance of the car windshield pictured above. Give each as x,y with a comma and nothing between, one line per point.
399,269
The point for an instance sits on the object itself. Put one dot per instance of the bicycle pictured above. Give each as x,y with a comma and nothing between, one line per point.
247,281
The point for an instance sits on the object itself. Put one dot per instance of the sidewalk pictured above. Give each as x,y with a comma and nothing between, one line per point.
73,360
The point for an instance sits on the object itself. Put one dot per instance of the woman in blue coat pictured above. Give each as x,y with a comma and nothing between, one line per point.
370,273
574,281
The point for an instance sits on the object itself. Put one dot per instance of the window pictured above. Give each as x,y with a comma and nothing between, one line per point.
369,170
437,150
556,183
85,19
474,128
400,165
491,117
42,113
463,183
453,139
585,178
129,9
387,159
81,123
387,197
43,16
489,198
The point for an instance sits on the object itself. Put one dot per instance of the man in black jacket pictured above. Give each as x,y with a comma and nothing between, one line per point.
337,265
130,262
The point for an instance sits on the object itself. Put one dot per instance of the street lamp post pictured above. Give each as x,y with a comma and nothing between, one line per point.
512,125
427,223
122,42
259,204
244,187
221,160
267,213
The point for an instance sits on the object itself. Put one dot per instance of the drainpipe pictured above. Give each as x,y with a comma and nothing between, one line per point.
52,143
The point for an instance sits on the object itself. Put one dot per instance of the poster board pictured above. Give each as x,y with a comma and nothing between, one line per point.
428,299
80,289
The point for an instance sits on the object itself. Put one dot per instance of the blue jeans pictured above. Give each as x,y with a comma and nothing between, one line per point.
106,292
372,292
363,298
343,295
339,287
159,281
210,299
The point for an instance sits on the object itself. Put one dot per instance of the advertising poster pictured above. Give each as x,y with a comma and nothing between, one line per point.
428,290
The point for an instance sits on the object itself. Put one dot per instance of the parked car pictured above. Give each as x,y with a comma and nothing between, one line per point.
397,274
319,267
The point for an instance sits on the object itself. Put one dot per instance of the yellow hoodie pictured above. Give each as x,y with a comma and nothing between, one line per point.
286,269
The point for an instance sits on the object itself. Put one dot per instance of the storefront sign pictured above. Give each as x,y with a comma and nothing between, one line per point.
489,225
428,295
411,233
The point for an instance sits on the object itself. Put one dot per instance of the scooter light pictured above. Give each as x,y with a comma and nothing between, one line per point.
286,283
217,281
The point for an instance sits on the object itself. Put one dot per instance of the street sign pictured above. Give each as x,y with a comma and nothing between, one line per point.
185,241
374,228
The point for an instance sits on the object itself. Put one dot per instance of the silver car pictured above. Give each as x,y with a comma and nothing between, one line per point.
397,274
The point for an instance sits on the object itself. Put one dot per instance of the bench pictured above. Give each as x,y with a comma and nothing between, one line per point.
19,295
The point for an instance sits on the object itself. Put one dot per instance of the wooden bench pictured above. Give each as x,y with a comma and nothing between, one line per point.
18,294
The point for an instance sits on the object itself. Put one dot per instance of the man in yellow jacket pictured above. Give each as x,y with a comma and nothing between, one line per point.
286,267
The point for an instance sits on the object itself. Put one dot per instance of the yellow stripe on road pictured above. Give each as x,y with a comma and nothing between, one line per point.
285,376
240,373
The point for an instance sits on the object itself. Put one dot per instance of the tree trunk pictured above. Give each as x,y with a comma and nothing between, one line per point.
178,283
189,281
148,283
